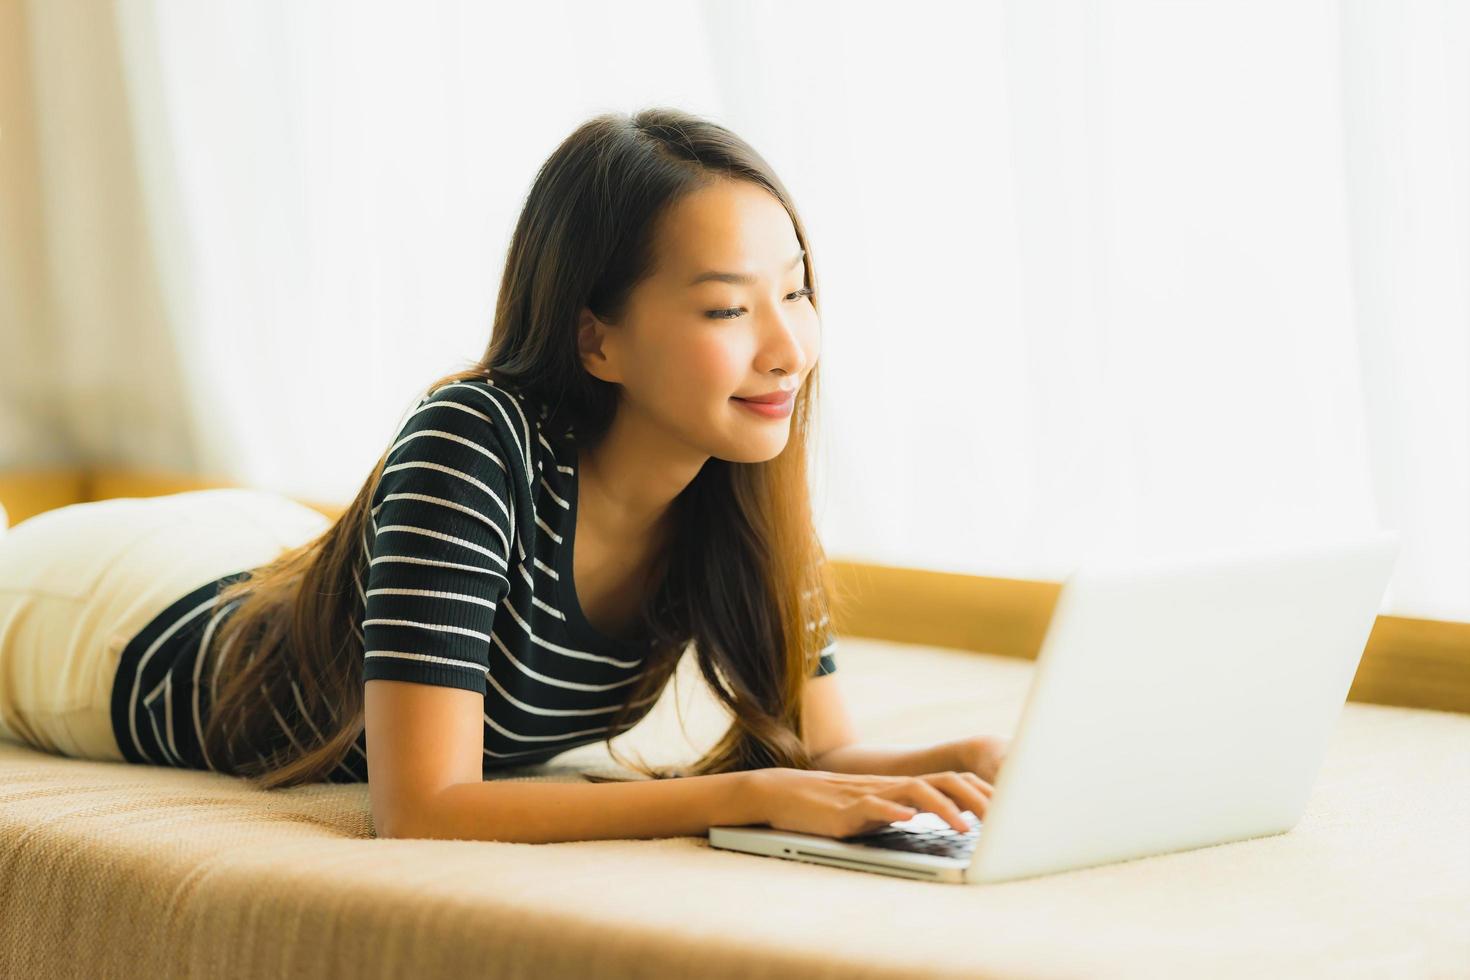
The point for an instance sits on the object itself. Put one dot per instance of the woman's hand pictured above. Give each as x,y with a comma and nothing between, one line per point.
832,804
980,754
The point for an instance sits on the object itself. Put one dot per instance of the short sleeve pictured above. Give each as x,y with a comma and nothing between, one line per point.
441,546
826,663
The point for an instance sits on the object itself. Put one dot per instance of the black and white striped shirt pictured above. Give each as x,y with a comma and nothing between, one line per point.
465,578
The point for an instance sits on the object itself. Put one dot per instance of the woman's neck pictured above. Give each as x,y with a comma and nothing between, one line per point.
626,484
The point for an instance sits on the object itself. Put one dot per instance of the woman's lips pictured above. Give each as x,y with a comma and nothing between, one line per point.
775,396
769,409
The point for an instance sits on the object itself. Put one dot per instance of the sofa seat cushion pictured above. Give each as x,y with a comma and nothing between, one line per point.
110,869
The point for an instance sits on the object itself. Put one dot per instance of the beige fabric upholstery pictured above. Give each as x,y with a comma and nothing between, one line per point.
114,870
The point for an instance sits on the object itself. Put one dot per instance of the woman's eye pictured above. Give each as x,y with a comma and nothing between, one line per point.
735,311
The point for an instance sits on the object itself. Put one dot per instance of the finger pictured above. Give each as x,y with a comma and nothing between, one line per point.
963,790
929,797
979,783
888,810
875,813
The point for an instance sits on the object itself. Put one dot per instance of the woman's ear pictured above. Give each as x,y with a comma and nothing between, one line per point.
592,334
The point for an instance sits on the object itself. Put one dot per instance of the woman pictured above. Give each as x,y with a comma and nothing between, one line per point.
645,396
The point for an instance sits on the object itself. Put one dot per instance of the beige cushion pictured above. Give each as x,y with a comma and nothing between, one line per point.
108,869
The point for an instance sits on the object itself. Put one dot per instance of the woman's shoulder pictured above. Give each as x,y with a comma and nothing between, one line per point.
463,438
519,421
514,415
482,392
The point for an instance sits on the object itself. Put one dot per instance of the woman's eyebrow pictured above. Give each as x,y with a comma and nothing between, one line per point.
737,278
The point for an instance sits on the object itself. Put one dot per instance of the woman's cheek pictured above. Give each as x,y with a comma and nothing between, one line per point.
714,369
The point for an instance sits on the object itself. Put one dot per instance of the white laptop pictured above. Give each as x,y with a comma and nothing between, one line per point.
1176,703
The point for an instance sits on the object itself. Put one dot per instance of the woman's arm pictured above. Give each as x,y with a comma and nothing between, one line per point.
544,813
980,754
831,737
425,758
887,760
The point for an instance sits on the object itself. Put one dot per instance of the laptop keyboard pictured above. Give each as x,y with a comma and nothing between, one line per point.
942,840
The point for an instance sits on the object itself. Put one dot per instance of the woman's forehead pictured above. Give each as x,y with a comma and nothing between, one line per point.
732,227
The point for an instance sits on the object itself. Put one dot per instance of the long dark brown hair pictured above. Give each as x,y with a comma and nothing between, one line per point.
744,579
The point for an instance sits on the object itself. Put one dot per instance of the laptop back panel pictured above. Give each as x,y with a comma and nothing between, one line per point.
1181,703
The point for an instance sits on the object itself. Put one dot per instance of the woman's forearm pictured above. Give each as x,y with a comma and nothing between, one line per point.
886,760
547,812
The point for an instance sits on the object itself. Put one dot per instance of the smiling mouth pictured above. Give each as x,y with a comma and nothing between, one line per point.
770,410
778,399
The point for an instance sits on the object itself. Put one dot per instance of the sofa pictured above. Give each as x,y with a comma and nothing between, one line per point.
114,870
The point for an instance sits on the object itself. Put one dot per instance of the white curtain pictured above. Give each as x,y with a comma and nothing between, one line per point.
1098,278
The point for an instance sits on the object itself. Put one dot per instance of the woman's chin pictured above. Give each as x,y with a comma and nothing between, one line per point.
754,450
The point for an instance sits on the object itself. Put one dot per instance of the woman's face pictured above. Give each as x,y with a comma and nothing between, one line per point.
691,342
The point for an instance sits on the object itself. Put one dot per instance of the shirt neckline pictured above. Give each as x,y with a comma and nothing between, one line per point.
566,589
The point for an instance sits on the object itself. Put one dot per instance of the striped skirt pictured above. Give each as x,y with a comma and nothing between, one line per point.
78,582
